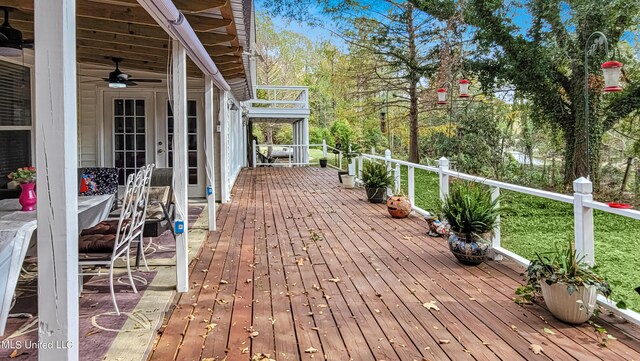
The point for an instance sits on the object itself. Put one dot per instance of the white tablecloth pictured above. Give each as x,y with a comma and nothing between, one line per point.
16,230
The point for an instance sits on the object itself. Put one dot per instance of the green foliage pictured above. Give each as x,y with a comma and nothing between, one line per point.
565,266
342,133
469,209
376,175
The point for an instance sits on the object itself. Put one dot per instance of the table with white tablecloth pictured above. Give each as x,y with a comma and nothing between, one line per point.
16,231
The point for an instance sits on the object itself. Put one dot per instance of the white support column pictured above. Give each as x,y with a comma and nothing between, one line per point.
295,141
360,164
209,107
396,176
305,140
496,241
443,165
324,148
254,149
224,147
57,161
387,161
180,162
583,219
411,187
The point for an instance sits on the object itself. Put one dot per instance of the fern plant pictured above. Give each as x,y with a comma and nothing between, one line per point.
376,175
469,209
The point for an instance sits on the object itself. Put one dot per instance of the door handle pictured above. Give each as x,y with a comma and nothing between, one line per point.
160,151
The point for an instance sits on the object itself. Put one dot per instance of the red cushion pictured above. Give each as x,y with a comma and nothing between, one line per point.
97,243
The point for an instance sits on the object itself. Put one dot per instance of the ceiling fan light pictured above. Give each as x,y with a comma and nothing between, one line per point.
117,85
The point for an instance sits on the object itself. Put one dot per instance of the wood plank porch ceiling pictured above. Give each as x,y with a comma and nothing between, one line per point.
123,29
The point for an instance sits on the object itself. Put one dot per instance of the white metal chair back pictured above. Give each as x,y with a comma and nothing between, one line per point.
134,208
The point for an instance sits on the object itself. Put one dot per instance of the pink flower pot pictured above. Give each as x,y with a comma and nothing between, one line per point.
28,198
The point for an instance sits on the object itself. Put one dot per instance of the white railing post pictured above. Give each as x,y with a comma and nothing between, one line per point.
583,219
373,150
324,148
254,150
396,176
443,165
387,161
360,167
411,185
495,240
340,159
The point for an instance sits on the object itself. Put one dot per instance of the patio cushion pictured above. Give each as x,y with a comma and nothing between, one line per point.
105,227
97,243
157,196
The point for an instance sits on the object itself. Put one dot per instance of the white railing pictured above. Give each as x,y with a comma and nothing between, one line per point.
294,154
280,97
582,200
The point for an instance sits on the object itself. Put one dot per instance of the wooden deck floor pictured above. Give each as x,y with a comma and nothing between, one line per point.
303,270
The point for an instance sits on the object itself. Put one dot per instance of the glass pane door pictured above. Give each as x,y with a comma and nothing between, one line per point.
192,139
129,121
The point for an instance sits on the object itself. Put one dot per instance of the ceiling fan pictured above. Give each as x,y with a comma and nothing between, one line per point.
118,79
11,42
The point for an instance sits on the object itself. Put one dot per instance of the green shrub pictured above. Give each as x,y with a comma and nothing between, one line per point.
469,209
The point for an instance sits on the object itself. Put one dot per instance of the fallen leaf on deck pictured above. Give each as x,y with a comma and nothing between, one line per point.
311,350
537,349
190,317
300,262
245,350
222,302
254,334
92,332
211,326
262,357
444,342
334,280
377,310
223,282
549,331
15,353
514,327
249,280
431,306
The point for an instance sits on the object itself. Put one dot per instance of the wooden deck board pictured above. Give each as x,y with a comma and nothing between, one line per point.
306,263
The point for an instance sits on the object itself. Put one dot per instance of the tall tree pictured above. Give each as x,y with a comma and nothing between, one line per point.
546,63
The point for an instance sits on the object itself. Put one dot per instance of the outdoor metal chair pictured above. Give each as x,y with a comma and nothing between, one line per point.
101,248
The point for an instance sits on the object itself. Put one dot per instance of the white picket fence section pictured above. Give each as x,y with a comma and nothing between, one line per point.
582,200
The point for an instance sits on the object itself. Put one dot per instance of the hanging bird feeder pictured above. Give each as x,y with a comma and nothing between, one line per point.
442,96
612,70
464,88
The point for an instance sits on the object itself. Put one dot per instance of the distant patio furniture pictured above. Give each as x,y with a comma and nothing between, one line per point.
99,246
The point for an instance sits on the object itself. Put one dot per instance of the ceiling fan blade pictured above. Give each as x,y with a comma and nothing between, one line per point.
146,80
3,37
131,83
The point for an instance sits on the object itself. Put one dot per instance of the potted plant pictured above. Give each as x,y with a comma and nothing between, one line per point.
567,283
323,162
472,215
398,206
27,178
376,179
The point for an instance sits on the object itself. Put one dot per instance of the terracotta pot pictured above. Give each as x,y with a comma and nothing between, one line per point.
398,206
565,306
28,198
467,249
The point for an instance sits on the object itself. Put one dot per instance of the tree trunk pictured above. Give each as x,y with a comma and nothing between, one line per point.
625,179
414,154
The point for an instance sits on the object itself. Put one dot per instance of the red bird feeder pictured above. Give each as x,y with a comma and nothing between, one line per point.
464,88
612,70
442,96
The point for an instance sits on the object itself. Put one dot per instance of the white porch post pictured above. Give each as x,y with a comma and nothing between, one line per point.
57,161
180,162
209,105
305,140
294,141
443,165
324,148
224,144
583,219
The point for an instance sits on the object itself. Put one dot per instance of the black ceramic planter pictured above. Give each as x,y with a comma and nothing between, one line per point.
323,163
376,195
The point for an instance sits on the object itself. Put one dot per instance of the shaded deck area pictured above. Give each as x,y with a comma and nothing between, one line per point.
302,269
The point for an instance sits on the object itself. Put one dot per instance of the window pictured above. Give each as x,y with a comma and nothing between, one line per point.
192,139
15,119
129,136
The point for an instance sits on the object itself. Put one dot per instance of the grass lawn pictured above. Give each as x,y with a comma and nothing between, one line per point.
530,224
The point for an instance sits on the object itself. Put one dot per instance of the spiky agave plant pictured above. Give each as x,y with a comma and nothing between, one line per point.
376,175
469,209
